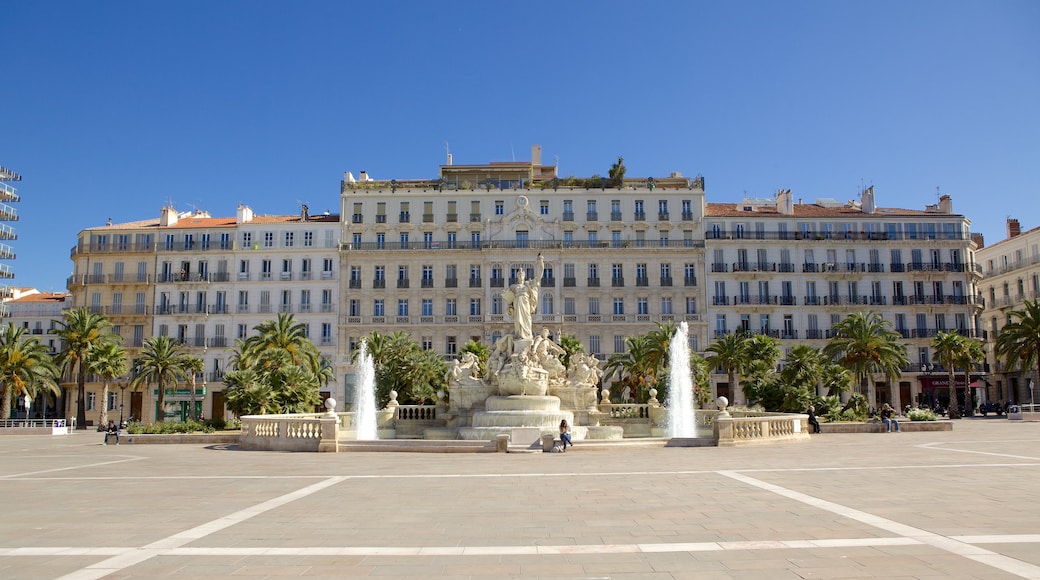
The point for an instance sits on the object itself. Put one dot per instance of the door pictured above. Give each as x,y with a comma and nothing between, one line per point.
217,411
136,403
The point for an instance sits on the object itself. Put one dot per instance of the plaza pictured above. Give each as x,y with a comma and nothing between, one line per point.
958,504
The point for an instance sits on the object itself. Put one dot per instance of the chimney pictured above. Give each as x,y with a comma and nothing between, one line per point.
946,204
1013,228
244,214
304,214
536,155
980,242
784,202
867,200
168,216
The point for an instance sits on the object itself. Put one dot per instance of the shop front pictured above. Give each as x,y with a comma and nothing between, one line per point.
935,391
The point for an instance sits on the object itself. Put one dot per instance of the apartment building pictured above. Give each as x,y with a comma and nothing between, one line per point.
1012,276
432,257
36,311
793,270
207,281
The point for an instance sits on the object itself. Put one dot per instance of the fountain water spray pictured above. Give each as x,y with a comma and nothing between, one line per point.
680,385
365,406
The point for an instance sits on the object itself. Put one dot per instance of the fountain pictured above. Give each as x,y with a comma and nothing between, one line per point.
526,390
680,386
365,406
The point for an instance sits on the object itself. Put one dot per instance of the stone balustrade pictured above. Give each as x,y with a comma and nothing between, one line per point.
751,428
300,432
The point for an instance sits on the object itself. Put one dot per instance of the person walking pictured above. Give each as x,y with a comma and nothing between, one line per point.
888,418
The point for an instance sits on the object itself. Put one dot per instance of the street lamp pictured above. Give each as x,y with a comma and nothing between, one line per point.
1032,405
122,395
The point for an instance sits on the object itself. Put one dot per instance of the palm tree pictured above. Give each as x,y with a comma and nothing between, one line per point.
865,344
973,352
1019,341
109,361
731,353
283,334
26,368
836,379
81,331
162,361
193,365
803,367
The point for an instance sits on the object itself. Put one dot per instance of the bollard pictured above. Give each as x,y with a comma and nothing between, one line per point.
548,440
502,443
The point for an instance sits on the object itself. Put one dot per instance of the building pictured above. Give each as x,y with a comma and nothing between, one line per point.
432,257
8,195
794,270
206,282
37,312
1012,276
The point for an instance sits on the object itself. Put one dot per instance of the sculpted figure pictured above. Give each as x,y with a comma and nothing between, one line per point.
522,300
547,353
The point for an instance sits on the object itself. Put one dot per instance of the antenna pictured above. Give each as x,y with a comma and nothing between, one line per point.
511,152
447,150
937,196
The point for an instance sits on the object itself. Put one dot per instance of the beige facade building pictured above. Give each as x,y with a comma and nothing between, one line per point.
433,257
1012,276
36,312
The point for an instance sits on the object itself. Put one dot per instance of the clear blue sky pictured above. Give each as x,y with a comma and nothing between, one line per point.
112,108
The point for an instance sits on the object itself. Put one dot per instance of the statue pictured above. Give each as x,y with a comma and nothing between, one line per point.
547,354
468,367
522,300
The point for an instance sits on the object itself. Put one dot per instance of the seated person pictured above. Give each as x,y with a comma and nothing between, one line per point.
887,417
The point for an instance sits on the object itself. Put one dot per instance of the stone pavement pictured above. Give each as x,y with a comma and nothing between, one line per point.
961,504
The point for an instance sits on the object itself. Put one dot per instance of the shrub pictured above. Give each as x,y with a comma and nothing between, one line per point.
168,427
922,415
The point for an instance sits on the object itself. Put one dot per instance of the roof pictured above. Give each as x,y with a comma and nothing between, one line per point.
218,222
41,297
811,210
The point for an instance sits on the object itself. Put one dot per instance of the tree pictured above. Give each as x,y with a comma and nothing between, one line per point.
949,348
109,361
803,367
973,352
1019,341
81,331
283,334
193,365
731,353
162,361
481,351
617,173
402,365
26,368
570,345
836,379
865,344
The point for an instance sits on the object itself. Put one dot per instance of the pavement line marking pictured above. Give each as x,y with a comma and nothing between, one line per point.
745,545
138,555
20,475
949,544
935,446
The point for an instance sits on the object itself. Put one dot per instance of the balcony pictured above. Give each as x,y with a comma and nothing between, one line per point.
642,281
379,283
569,282
568,216
380,218
687,216
662,216
474,282
640,216
474,217
427,283
720,300
404,217
690,281
498,282
354,284
617,282
402,282
548,282
719,268
451,282
666,280
592,216
357,218
593,282
615,216
452,218
814,334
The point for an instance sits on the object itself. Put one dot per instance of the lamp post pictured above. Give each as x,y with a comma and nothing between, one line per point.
122,395
1032,404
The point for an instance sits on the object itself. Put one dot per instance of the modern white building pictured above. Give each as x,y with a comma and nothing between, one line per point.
1012,276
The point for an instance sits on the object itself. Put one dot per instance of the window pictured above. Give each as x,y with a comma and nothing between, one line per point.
500,207
427,307
691,305
308,239
402,307
642,306
377,307
474,306
289,239
543,207
594,306
268,239
619,306
450,308
594,344
666,305
355,307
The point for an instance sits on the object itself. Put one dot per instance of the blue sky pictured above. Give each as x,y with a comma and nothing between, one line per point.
110,109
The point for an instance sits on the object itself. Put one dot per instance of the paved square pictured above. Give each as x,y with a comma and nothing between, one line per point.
908,505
